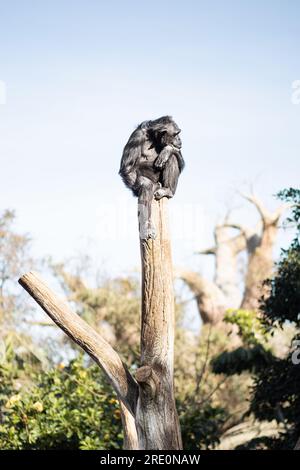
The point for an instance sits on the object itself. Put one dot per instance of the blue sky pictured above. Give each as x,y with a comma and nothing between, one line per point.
80,75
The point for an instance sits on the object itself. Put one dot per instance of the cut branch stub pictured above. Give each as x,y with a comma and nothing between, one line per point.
86,337
148,380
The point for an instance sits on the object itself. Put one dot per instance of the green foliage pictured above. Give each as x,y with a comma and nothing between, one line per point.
65,408
250,327
71,407
201,425
241,359
254,354
284,301
261,443
276,394
277,387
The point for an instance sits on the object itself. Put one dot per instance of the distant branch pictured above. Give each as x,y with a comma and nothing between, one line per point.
258,204
210,299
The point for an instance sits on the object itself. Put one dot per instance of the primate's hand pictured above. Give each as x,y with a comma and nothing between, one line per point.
163,157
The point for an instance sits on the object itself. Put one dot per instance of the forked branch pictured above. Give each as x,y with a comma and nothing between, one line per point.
86,337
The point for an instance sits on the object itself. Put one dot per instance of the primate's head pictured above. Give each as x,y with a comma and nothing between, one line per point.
164,131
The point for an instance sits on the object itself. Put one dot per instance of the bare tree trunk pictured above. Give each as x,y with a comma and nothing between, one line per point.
156,415
259,268
148,410
226,251
214,298
260,254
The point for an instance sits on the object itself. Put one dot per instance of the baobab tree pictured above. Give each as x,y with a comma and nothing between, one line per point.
215,297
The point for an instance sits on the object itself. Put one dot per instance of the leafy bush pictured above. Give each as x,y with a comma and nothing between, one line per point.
65,408
201,426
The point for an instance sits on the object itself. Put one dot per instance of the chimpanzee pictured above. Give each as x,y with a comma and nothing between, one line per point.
151,164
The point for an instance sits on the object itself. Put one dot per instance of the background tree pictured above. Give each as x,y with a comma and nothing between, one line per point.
275,395
15,309
214,298
14,256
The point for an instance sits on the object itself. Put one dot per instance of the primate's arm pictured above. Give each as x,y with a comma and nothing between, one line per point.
164,156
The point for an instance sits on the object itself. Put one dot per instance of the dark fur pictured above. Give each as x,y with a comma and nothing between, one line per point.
152,162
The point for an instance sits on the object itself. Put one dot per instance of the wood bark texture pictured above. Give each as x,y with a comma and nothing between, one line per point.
156,415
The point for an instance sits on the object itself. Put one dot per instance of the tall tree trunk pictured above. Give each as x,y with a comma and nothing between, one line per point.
156,415
226,251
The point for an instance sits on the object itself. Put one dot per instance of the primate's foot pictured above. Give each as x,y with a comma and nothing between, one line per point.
151,233
163,192
148,232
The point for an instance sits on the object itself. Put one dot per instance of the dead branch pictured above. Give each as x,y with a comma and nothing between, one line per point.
85,336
